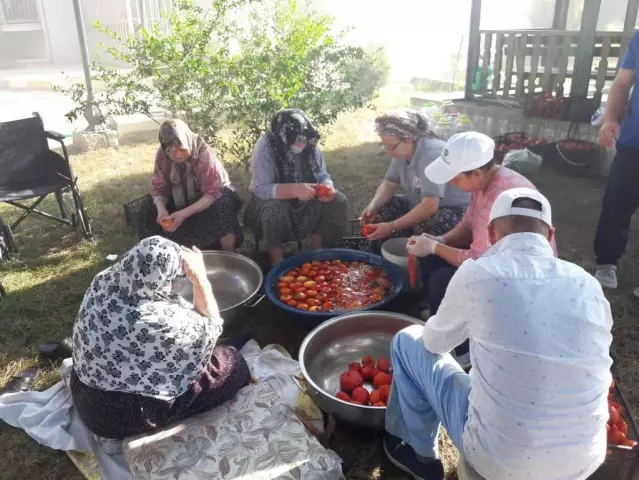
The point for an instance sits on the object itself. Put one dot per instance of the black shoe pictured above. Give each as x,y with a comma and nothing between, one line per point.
21,382
56,350
404,457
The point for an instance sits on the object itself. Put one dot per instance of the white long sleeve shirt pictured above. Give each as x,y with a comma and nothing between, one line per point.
539,331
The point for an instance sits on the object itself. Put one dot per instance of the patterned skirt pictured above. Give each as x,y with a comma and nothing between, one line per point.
276,222
117,415
203,229
442,222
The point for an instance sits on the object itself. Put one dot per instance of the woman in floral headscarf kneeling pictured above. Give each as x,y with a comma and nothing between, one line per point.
142,356
292,194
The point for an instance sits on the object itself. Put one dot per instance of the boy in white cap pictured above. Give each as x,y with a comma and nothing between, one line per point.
535,406
467,163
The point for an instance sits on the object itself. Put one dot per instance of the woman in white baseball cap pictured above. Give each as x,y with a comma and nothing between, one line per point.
466,162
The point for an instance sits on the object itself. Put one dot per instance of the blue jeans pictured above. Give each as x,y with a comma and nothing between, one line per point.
427,390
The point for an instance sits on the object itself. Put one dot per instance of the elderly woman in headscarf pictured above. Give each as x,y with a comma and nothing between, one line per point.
291,193
192,199
424,207
144,357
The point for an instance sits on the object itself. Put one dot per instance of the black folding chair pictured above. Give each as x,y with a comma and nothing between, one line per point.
30,170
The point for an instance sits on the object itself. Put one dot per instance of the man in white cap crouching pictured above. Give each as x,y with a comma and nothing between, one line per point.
535,404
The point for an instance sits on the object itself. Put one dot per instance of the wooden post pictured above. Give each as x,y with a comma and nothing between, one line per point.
128,17
560,18
474,41
585,47
631,17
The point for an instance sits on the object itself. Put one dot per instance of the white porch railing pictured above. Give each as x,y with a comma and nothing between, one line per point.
514,63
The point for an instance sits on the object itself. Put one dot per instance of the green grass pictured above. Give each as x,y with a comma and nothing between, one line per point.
48,280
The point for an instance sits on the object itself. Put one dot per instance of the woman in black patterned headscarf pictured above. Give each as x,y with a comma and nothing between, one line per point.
292,194
424,206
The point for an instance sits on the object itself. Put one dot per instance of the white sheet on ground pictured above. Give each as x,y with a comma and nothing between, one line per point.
50,418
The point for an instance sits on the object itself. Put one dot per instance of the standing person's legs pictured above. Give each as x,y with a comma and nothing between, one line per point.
619,204
427,390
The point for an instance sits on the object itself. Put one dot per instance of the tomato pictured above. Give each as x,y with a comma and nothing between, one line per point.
282,285
299,290
315,308
301,279
287,278
322,271
295,285
285,298
630,443
313,301
300,296
328,305
622,426
312,273
285,291
302,306
319,279
311,293
291,273
307,266
614,414
309,284
291,303
322,296
618,438
336,262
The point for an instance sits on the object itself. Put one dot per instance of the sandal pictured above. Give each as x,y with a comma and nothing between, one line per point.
56,350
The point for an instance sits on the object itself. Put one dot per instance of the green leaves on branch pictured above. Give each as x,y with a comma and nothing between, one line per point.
228,69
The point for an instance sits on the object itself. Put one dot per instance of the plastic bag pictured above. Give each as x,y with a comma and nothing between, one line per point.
523,161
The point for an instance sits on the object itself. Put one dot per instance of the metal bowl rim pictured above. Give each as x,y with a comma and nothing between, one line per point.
249,261
328,323
386,264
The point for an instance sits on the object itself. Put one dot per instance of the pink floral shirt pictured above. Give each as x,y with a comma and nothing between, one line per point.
478,213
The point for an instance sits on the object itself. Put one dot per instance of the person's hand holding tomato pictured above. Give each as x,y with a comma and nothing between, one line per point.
368,215
178,219
382,230
325,192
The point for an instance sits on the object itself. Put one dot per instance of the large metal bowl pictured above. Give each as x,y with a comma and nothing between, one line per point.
236,280
326,352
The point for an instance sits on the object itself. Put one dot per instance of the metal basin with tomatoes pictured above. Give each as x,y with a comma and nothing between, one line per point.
366,281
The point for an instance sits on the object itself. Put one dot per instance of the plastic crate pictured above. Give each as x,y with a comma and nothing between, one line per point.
622,463
132,210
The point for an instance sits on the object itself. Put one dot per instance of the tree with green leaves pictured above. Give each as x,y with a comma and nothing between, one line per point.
231,67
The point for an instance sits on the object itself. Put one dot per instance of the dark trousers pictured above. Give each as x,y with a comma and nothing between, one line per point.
619,204
436,275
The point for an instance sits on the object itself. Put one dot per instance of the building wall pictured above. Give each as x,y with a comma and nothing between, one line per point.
63,36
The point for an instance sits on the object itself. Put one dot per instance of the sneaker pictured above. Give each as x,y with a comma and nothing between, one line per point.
402,455
606,275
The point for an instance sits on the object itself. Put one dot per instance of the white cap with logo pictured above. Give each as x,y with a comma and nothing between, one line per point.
503,206
462,152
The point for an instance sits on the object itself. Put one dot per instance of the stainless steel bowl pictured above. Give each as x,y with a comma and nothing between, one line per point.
326,352
236,280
